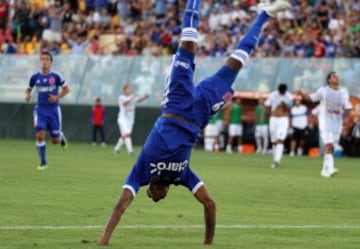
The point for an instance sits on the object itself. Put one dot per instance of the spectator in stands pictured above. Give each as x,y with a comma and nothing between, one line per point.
98,120
79,44
53,33
4,12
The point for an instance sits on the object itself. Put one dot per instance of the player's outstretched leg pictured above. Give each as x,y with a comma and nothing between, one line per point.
190,23
248,43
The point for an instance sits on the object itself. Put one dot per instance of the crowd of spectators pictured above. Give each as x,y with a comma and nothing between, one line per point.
314,28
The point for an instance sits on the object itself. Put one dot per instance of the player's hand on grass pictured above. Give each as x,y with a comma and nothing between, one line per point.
102,243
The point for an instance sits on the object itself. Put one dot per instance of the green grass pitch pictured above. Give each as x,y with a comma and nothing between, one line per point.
67,205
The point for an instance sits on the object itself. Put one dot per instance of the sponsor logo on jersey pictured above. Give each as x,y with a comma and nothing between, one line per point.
181,64
46,88
168,166
337,112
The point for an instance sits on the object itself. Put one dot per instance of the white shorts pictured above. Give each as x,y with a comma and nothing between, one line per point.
211,130
262,130
235,130
278,128
125,127
329,137
220,125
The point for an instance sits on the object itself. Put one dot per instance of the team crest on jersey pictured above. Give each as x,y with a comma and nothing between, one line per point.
52,80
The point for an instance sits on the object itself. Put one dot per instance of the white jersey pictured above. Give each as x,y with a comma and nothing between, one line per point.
331,108
299,117
275,99
127,112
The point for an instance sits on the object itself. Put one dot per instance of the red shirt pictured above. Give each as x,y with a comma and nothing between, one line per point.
319,49
4,8
98,115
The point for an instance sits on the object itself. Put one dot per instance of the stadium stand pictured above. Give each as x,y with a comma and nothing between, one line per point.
321,29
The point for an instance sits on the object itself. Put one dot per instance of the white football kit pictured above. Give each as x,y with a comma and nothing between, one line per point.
331,112
278,126
126,115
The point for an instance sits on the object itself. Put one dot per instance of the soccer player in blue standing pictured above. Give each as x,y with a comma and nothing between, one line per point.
185,110
47,113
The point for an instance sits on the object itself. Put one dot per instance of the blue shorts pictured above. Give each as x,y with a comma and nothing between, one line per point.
48,119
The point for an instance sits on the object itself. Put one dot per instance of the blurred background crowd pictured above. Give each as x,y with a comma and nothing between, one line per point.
314,28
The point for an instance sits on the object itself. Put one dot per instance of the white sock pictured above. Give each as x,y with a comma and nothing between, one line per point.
119,144
208,143
328,162
258,144
265,143
128,144
229,148
274,152
279,151
299,151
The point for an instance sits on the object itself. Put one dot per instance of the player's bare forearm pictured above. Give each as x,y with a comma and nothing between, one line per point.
53,98
27,94
65,90
124,201
209,213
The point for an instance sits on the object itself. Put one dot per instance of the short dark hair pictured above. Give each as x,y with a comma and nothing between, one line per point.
282,88
329,76
48,54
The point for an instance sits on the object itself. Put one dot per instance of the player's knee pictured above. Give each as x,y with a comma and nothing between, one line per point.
55,140
210,204
329,148
40,136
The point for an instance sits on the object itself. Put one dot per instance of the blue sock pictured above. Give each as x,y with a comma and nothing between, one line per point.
191,14
186,54
41,148
250,40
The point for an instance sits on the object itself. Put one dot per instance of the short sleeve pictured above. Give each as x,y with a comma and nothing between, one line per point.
32,81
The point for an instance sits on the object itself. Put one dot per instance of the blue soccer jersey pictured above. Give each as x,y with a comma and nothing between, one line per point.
166,153
47,116
45,85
